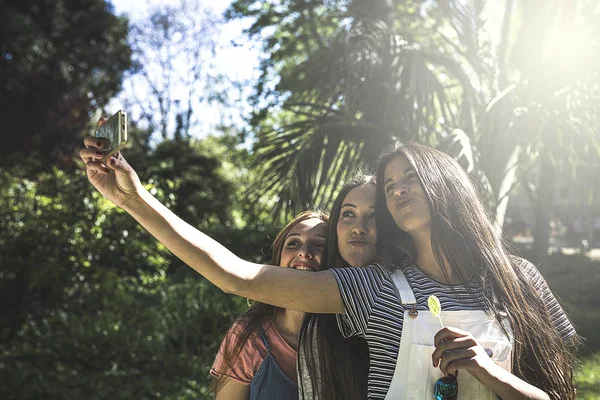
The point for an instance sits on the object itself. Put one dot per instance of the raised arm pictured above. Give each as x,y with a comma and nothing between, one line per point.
315,292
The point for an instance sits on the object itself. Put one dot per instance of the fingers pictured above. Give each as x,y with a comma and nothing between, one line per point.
464,363
452,360
96,167
451,345
91,154
118,163
93,142
448,333
457,349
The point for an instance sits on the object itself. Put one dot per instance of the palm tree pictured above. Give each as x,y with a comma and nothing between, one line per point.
363,89
547,118
418,72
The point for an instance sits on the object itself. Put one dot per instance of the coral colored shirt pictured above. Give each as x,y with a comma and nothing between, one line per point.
252,354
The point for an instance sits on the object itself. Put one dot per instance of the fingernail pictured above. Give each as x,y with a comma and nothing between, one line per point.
100,143
113,160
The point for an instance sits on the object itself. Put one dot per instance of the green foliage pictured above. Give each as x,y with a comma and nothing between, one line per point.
588,378
59,60
290,30
574,280
351,77
58,221
343,79
200,194
123,338
92,306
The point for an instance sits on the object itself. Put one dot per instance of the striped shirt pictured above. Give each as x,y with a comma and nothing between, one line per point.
374,311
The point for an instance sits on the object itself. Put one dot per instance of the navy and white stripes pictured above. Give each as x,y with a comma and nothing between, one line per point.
373,311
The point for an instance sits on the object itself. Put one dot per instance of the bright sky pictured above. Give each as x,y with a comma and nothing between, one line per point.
238,63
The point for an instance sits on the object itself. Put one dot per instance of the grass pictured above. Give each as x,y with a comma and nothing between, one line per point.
588,378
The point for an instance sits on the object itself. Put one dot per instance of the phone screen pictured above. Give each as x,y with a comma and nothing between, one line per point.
114,133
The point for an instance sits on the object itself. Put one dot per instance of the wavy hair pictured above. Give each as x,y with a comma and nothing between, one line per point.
463,238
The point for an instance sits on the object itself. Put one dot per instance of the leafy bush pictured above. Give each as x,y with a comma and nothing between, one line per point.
575,279
588,378
93,307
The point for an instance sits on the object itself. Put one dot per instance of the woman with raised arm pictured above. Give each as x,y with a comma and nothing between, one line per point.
257,358
437,240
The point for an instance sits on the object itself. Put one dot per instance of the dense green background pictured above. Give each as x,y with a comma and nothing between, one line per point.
92,307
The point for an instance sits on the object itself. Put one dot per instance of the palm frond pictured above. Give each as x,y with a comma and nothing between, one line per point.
349,101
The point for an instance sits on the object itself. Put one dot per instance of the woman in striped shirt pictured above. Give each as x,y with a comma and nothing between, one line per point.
432,230
331,367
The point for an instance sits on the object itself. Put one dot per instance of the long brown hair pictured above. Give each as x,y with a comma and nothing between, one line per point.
338,367
463,238
259,313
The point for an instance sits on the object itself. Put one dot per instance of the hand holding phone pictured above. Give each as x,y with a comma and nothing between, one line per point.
105,167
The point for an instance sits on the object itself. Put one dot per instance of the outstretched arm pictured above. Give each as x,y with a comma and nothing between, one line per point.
315,292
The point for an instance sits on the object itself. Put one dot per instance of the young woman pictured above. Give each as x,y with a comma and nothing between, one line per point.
257,359
505,334
331,367
437,239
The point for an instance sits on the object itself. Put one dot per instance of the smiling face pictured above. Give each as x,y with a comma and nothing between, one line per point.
404,196
303,245
356,231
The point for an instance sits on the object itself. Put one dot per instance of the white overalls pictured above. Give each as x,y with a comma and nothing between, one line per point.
415,376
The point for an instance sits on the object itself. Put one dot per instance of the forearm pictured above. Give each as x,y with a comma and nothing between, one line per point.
510,387
283,287
199,251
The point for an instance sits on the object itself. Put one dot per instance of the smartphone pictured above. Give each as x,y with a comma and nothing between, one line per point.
113,134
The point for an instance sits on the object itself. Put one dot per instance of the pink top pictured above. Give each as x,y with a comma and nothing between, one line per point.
252,354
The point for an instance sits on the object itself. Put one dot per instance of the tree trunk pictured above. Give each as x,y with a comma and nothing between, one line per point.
505,188
543,207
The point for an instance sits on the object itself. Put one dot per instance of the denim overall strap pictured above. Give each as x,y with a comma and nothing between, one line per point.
263,337
270,382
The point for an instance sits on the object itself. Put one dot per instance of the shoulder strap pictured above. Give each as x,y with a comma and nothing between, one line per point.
263,337
406,294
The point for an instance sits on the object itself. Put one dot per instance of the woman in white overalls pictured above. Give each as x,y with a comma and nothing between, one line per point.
503,326
504,336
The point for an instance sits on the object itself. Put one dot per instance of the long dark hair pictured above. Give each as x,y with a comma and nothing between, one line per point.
463,238
338,367
259,313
